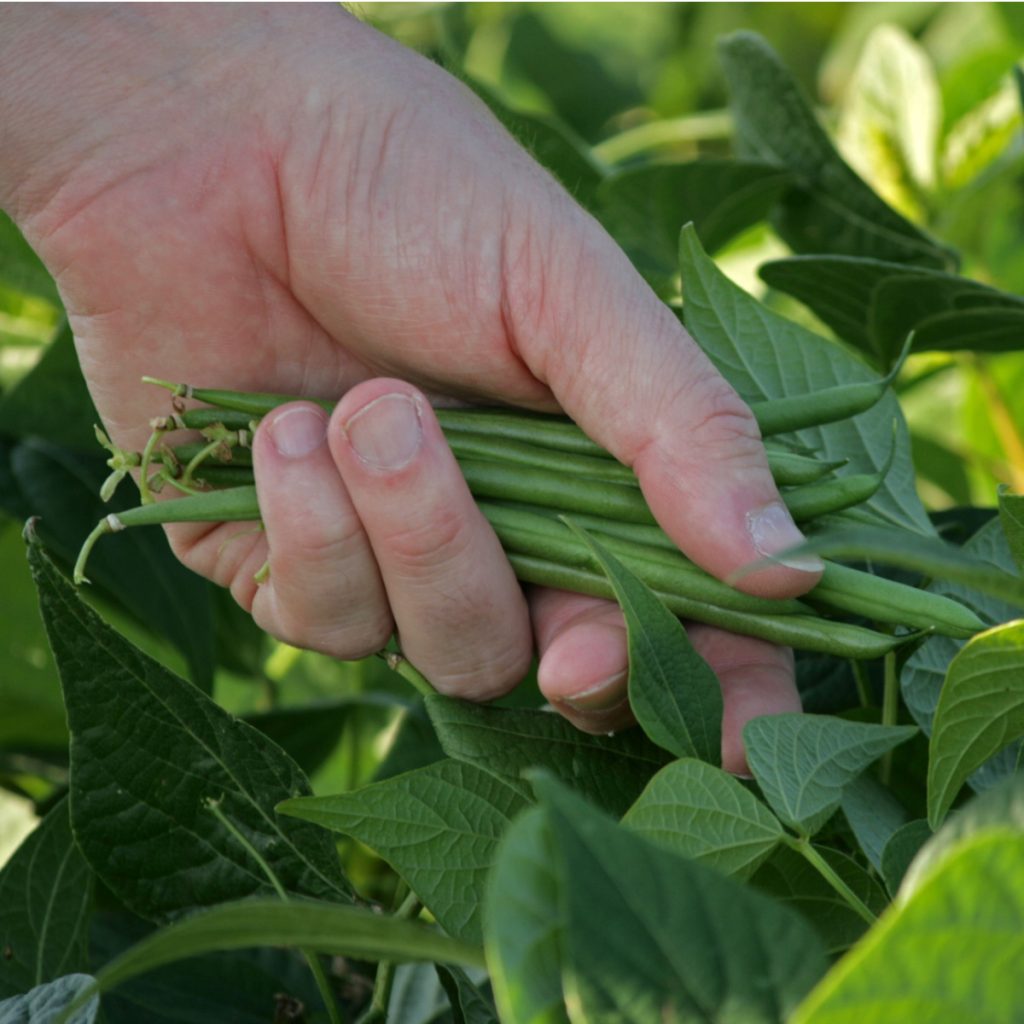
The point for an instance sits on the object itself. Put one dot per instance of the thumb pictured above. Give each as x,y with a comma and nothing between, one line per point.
619,362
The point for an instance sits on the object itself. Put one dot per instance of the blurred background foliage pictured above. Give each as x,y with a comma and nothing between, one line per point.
921,99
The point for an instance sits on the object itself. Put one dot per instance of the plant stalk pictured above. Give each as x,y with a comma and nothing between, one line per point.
806,850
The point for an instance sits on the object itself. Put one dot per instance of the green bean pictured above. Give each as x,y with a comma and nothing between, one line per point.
804,632
789,469
184,453
531,534
881,600
814,500
234,505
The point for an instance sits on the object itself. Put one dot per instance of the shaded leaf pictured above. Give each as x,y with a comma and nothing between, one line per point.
832,209
901,850
764,356
45,900
51,401
790,878
803,762
20,268
644,208
469,1005
675,696
947,954
148,753
873,814
438,827
707,815
651,936
44,1003
523,925
1011,515
609,770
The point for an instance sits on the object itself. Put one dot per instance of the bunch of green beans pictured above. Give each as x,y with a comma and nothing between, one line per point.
528,471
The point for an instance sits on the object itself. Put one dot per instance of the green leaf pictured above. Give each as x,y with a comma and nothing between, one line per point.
309,733
927,555
900,851
831,210
925,671
45,900
469,1006
890,119
33,709
43,1004
946,955
873,814
1011,515
803,762
610,770
314,926
979,138
764,355
707,815
438,827
675,696
791,879
148,753
644,208
138,573
1002,807
980,711
51,401
20,268
523,925
650,936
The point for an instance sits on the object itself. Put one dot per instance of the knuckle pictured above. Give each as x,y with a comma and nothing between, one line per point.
430,546
719,419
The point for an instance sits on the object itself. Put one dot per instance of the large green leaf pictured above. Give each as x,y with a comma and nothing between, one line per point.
764,356
523,925
643,208
650,936
707,815
901,850
45,899
980,711
610,770
790,878
831,209
675,696
803,762
44,1003
438,827
947,955
149,754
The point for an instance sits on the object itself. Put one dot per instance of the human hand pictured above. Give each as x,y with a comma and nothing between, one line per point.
282,200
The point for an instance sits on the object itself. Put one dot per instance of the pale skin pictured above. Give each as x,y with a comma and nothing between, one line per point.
283,200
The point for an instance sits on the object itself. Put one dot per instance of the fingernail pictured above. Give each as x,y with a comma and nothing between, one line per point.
773,530
602,696
387,432
297,432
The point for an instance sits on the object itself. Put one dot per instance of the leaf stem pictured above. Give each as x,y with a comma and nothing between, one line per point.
890,711
397,662
806,850
863,684
316,968
376,1012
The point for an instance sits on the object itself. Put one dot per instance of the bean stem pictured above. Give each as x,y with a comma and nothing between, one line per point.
806,849
890,711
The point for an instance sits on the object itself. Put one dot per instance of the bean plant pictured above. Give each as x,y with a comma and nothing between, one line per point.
233,830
